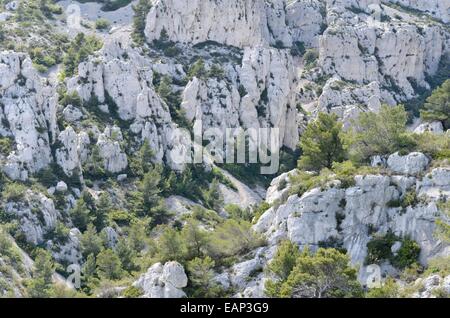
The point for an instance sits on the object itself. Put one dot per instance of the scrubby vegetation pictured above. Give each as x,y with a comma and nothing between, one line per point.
324,274
380,249
321,143
78,51
379,134
141,10
437,106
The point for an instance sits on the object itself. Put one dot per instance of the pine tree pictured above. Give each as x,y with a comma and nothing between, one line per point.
379,133
80,215
437,106
201,274
126,255
109,265
41,285
321,143
195,238
324,274
171,246
91,243
102,209
212,197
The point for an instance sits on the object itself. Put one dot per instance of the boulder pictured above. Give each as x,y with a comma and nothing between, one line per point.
433,127
411,164
163,281
61,187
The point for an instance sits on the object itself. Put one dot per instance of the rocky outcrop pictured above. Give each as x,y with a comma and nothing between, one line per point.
28,115
240,23
435,127
307,19
119,83
411,164
73,150
163,281
373,45
436,8
69,252
430,286
350,217
114,159
36,215
258,93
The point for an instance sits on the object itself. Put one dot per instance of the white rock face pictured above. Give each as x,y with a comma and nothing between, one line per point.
121,78
306,18
345,99
73,150
240,23
261,94
436,8
396,54
433,127
29,113
344,216
12,5
70,251
431,284
36,215
410,164
268,76
163,281
114,159
72,114
435,184
279,188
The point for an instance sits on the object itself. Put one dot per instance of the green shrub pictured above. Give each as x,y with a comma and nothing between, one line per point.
6,146
232,238
141,10
197,70
298,49
109,265
407,255
436,146
132,292
389,289
324,274
310,58
78,51
102,24
379,134
113,5
47,177
379,249
259,210
321,143
437,106
71,98
120,217
439,266
14,192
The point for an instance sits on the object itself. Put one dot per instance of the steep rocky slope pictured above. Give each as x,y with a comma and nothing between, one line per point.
217,64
